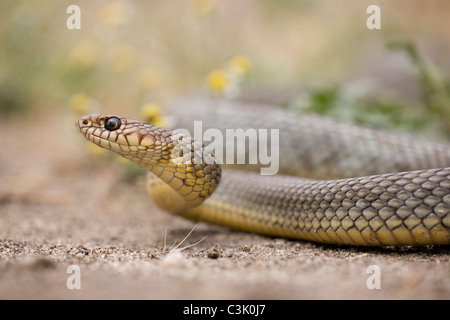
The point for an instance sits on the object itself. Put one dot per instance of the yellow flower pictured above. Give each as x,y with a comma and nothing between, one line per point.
115,14
81,104
240,64
123,58
153,113
148,79
78,103
203,6
85,53
217,80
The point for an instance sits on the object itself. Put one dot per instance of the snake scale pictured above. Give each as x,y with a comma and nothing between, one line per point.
411,207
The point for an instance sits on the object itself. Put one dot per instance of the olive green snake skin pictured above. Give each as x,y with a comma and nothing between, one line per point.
411,207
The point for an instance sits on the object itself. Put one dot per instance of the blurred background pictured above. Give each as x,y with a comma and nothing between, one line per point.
135,58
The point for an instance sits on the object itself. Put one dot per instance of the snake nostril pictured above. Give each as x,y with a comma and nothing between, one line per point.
85,122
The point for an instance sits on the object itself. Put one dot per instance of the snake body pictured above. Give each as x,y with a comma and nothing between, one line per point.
402,208
317,147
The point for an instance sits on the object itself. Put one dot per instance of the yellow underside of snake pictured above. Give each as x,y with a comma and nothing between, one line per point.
402,208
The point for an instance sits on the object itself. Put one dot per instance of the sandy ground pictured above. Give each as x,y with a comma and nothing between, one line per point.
60,207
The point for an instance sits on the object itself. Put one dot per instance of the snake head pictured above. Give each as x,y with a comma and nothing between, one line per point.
174,158
119,134
141,142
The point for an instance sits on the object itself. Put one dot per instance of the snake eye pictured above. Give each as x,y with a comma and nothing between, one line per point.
112,124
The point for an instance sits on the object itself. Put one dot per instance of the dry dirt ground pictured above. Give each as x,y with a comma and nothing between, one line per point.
61,207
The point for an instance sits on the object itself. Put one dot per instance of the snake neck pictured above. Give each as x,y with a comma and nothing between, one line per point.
186,174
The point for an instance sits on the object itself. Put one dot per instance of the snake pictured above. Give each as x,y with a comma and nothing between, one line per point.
398,208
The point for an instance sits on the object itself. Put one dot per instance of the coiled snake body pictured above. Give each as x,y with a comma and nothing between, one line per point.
402,208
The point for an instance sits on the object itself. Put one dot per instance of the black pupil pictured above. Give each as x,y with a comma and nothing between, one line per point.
112,124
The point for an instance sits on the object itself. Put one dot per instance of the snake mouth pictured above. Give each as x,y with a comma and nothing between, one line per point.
77,125
83,124
91,128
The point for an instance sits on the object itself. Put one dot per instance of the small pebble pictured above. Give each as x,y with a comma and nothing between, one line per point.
173,259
